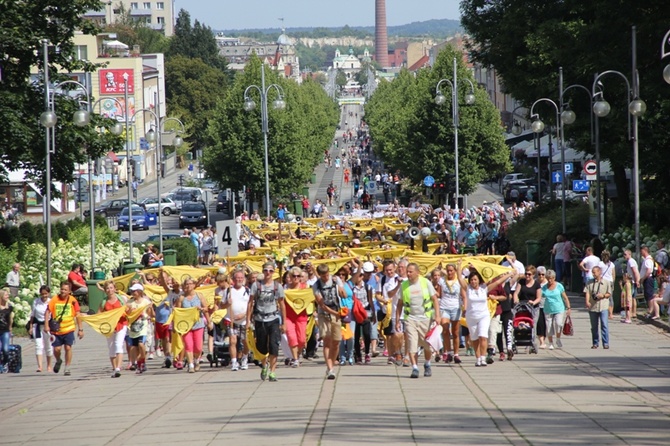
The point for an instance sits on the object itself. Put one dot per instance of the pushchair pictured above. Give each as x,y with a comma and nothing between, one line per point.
524,326
221,354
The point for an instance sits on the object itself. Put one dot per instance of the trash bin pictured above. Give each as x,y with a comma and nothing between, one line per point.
98,274
170,257
313,179
95,296
576,279
128,268
533,252
305,191
297,207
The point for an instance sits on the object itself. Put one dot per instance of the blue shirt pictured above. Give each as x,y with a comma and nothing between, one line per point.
281,213
553,303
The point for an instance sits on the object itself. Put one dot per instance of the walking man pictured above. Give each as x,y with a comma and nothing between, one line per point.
420,305
328,290
266,305
598,294
63,310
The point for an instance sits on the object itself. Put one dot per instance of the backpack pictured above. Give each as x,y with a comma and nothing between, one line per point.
666,257
335,303
274,294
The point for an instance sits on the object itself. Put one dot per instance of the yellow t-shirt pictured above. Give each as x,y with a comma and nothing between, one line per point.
68,309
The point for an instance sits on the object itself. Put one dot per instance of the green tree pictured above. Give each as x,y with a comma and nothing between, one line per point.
340,78
196,42
416,136
192,91
527,45
24,25
297,135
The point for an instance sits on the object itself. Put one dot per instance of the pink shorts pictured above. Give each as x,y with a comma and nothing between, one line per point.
295,332
193,340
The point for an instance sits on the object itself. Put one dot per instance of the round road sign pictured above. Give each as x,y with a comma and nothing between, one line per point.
590,167
429,181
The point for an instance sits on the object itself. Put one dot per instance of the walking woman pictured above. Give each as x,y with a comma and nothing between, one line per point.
116,340
194,338
39,333
556,307
475,295
347,345
6,322
363,293
296,324
450,307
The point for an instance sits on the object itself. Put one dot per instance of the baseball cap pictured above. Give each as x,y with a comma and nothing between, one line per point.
136,287
368,267
356,241
305,251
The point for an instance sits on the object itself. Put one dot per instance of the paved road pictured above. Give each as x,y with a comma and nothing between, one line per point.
571,396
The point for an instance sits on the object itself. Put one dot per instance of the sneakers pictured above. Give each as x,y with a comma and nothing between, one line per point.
368,359
405,362
478,363
168,363
386,353
179,365
502,356
330,375
510,354
415,373
342,361
151,356
295,363
489,359
375,354
210,358
264,372
191,368
197,367
272,377
559,344
57,366
398,360
234,367
143,366
117,373
483,361
457,359
351,361
245,363
133,367
449,357
68,373
551,346
470,351
427,371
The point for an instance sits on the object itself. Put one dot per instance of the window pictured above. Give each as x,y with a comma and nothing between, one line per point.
133,5
160,6
80,52
146,5
160,20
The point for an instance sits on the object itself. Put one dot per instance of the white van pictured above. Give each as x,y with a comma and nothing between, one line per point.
511,177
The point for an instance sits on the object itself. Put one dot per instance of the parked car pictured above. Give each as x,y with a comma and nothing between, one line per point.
193,214
112,208
511,177
182,195
167,205
154,237
140,219
520,186
533,182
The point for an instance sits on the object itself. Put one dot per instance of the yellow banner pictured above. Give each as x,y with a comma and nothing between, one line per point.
156,293
137,312
182,320
122,283
251,344
105,322
218,316
299,300
333,264
488,270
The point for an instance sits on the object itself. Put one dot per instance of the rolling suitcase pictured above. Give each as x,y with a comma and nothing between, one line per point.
14,362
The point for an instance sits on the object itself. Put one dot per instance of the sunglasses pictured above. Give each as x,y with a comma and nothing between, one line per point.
268,271
529,274
297,275
540,274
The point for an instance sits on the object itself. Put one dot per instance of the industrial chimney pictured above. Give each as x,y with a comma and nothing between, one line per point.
381,36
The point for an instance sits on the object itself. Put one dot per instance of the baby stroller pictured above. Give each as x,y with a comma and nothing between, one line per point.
524,326
221,354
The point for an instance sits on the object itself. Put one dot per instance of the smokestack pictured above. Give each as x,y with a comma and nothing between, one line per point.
381,36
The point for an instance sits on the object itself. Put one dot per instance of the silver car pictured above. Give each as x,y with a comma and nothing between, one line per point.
167,205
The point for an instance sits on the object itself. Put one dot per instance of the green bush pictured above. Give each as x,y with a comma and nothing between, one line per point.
186,253
544,224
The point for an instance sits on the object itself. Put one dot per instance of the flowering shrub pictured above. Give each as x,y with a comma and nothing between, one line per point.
21,311
624,238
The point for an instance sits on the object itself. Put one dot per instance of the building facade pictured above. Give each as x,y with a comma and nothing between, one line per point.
157,15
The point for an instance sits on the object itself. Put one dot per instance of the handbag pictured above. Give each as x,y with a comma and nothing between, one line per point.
568,329
360,313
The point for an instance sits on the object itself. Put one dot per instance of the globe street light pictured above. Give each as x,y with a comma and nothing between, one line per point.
277,104
49,119
538,127
440,99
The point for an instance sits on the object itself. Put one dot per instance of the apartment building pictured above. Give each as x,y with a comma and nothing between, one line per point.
157,15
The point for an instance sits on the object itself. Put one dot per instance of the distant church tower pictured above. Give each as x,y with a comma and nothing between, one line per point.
381,36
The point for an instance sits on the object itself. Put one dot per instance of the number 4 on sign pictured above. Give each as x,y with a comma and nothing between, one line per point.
227,232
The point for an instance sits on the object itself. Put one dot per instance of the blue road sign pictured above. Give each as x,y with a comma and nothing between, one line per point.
569,168
429,181
557,177
371,187
580,186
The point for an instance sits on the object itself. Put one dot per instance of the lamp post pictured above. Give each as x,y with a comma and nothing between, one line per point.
538,127
441,99
128,169
568,117
151,137
277,104
48,119
636,108
665,52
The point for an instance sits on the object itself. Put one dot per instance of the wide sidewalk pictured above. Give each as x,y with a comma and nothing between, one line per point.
571,396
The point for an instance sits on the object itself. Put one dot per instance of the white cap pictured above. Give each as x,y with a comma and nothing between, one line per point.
136,287
356,241
368,267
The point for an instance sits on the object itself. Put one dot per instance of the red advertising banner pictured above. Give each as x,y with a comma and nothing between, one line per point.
112,81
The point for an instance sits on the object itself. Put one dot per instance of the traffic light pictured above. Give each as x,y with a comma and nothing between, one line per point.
450,183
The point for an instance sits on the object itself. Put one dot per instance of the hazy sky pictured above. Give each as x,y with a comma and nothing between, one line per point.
240,14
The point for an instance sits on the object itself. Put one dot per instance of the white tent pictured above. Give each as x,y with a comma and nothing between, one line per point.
114,44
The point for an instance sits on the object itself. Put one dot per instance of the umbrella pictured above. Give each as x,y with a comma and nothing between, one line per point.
114,44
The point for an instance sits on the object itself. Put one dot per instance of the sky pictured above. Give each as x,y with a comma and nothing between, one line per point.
241,14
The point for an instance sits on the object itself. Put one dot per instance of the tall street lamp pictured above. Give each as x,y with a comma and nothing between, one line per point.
636,108
48,119
569,117
277,104
441,99
516,131
128,169
177,142
538,127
